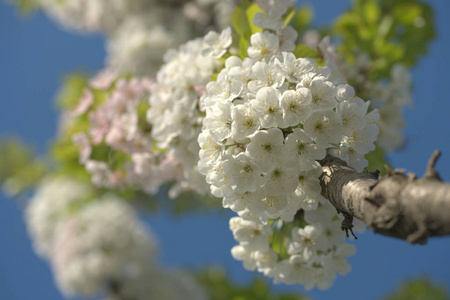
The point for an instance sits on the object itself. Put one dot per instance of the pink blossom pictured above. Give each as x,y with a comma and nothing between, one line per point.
84,103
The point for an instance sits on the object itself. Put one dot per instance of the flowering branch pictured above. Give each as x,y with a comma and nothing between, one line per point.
396,205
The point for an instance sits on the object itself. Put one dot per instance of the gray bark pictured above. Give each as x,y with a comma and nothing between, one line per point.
397,205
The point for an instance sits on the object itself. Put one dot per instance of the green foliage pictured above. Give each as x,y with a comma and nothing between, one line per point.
377,160
20,169
242,21
243,46
281,235
64,151
71,90
290,14
216,283
218,287
390,31
302,50
413,26
26,7
302,18
419,289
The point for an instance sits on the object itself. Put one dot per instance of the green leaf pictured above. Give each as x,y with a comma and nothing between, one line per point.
377,160
20,168
72,89
26,7
218,287
389,31
370,10
243,46
385,27
407,13
240,22
302,18
251,11
242,19
302,50
289,16
419,289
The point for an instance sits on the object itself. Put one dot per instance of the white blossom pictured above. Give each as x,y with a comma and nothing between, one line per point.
301,145
267,149
245,122
218,120
296,106
263,45
267,107
244,174
324,127
216,45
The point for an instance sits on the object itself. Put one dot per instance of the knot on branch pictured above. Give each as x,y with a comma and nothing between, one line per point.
431,172
393,197
375,173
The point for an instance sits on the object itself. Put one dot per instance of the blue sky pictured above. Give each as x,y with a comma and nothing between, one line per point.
35,54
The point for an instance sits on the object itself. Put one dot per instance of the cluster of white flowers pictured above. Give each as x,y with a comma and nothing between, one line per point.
116,124
102,244
174,103
52,202
99,246
107,16
309,255
139,44
269,118
267,123
137,47
389,96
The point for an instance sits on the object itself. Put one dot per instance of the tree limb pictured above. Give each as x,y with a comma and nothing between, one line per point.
396,205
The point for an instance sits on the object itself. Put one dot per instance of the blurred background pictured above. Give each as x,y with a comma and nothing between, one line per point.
36,54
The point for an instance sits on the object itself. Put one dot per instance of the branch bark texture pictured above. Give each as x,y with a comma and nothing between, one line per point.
396,205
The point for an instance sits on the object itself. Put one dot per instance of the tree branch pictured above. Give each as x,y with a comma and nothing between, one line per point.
396,205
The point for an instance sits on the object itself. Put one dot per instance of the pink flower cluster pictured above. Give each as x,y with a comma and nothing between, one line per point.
119,134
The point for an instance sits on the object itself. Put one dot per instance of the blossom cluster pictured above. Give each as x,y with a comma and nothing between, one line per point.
117,124
139,44
102,243
107,16
389,95
268,122
174,110
97,245
52,203
390,99
270,118
309,254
